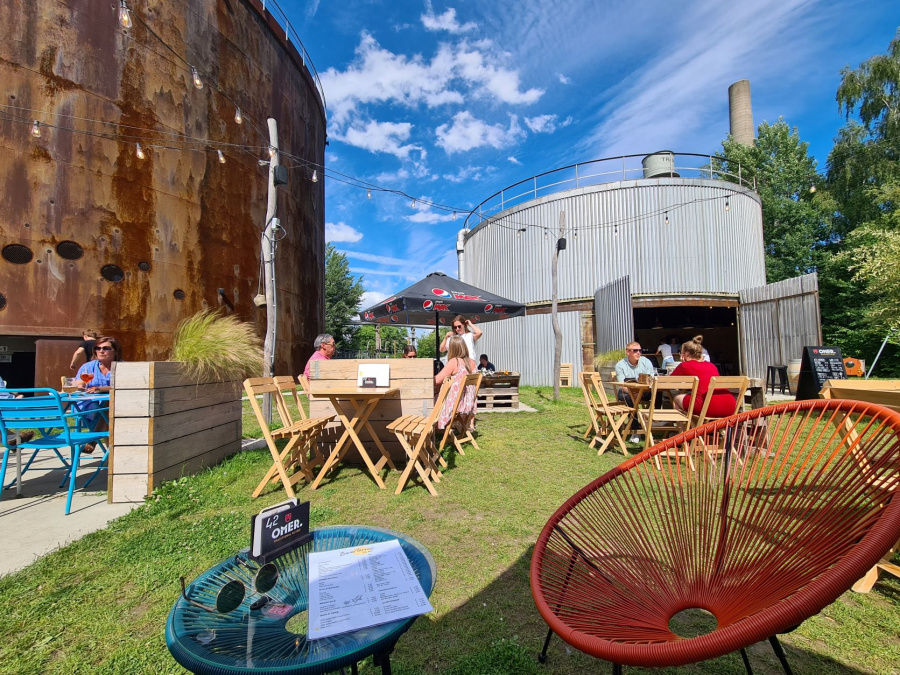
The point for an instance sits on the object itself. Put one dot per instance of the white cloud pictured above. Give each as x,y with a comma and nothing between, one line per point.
545,124
563,79
463,174
467,133
392,176
430,217
495,82
513,160
454,73
341,232
690,80
446,21
331,158
382,137
380,259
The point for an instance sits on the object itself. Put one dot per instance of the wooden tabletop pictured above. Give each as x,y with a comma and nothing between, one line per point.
348,391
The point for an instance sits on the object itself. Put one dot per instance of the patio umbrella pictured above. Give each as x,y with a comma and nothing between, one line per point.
430,301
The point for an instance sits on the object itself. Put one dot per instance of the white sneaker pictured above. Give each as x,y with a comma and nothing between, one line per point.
634,439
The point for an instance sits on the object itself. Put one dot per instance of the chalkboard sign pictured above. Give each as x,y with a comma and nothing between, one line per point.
819,364
277,529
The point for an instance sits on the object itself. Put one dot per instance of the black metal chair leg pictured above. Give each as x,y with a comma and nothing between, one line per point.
542,657
746,661
384,660
617,669
779,652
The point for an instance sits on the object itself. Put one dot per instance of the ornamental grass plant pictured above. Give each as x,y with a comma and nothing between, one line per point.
214,346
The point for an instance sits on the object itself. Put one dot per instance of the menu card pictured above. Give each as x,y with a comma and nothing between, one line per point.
362,586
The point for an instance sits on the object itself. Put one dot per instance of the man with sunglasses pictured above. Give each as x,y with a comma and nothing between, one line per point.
461,327
325,346
632,367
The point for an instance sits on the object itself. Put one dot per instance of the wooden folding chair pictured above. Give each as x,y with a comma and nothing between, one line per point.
735,385
416,436
472,380
301,434
591,400
667,420
613,416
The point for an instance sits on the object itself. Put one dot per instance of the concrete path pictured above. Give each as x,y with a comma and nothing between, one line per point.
35,523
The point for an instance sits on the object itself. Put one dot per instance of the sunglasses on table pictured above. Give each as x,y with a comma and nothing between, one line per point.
231,595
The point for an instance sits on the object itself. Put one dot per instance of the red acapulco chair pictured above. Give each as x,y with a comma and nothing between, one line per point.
761,544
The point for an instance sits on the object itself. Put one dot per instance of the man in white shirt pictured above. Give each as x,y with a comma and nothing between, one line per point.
664,351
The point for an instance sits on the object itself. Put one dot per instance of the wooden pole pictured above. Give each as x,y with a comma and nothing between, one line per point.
557,331
268,256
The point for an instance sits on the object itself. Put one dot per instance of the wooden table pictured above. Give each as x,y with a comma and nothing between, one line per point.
363,401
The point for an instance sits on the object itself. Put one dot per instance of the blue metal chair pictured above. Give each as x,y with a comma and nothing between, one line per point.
42,409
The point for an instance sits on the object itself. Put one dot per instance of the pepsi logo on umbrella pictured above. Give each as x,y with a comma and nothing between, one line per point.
488,309
428,305
441,293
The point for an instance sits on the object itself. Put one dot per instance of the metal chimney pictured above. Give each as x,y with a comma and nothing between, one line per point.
740,112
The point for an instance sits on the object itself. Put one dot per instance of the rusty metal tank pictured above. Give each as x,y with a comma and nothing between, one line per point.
92,235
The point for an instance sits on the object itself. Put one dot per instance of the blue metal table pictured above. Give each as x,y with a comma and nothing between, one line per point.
250,641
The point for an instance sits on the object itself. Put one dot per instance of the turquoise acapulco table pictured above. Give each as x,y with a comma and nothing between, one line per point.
248,640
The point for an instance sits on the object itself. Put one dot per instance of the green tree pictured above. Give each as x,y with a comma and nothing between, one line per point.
864,184
796,229
425,343
392,339
343,294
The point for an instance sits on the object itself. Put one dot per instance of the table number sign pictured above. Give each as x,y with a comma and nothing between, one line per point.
277,529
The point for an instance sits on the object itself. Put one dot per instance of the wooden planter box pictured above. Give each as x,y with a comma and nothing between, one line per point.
499,391
164,425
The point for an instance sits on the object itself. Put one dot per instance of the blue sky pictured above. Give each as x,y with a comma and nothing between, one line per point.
451,102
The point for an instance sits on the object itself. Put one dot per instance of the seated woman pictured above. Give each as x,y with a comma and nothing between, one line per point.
692,363
94,377
458,366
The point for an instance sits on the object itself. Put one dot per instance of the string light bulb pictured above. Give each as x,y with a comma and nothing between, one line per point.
139,151
616,230
576,233
36,129
272,151
546,234
368,194
667,217
454,215
124,15
727,207
315,176
221,157
238,118
195,76
413,203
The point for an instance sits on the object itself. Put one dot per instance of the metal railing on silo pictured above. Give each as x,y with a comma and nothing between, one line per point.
606,170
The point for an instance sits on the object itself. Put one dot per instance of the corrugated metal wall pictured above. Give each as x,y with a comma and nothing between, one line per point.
525,345
614,230
613,316
621,231
777,321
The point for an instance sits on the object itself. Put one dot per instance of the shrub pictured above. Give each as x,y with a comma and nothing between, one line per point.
611,357
217,347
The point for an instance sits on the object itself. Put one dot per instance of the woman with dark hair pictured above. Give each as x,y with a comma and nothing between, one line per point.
409,352
95,377
692,363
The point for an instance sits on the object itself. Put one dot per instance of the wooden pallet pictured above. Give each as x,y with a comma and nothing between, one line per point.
488,399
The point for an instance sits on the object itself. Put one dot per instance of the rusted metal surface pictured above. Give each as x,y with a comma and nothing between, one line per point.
194,221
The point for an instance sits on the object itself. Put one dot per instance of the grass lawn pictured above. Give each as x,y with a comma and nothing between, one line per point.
100,605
